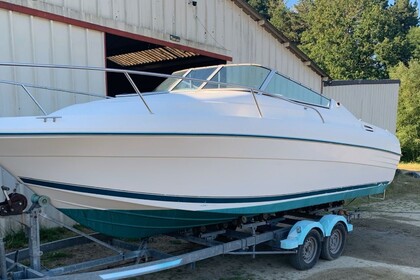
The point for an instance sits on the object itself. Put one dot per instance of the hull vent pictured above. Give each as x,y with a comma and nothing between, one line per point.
368,128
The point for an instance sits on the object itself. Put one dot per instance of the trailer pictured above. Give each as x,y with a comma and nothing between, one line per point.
304,234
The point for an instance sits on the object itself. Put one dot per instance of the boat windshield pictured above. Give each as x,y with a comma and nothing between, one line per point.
284,87
170,82
248,76
199,73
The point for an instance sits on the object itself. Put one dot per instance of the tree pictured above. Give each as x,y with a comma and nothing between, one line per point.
358,39
413,38
408,118
342,37
261,6
289,22
402,16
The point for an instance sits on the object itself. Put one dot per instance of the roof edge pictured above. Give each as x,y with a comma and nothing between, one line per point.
360,82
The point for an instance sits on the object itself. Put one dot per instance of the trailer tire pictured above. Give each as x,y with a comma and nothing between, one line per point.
308,253
333,245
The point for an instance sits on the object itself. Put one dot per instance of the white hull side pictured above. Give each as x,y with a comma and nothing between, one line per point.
190,166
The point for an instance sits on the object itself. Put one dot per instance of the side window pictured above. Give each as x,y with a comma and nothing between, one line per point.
282,86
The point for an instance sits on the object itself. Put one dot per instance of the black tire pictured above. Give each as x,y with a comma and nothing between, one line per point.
333,245
308,253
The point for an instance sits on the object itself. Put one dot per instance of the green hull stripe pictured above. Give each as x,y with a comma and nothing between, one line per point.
187,199
144,223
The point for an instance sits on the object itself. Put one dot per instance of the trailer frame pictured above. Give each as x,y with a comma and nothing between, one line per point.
283,234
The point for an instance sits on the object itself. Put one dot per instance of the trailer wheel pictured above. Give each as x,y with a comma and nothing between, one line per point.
308,253
333,245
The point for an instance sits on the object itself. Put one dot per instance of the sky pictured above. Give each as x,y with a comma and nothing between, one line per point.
290,3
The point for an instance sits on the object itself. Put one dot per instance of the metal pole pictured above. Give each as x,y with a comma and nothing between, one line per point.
33,99
34,240
256,103
133,84
3,264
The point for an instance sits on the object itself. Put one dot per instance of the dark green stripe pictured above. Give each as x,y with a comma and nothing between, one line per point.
188,199
192,134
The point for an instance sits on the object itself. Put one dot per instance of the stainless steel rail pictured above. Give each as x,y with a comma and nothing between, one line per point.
127,73
305,106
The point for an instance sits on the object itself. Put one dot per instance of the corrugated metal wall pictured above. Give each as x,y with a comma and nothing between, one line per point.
217,26
31,39
373,103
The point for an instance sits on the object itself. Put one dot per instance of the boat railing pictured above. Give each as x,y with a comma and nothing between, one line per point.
127,74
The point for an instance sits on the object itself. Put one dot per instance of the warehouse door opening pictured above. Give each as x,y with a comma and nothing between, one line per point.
130,54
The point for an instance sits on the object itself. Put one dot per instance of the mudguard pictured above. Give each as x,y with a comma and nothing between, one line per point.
298,233
328,222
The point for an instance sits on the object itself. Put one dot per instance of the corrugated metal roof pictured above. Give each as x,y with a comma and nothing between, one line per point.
150,56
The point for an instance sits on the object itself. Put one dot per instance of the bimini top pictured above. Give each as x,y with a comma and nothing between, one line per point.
260,79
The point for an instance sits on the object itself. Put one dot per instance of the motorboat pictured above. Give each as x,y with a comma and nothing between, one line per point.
209,145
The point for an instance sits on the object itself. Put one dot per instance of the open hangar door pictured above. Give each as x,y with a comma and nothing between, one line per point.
131,54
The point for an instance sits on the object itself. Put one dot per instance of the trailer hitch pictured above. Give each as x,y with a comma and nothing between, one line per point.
14,203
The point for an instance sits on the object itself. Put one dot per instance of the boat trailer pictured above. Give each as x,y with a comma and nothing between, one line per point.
305,236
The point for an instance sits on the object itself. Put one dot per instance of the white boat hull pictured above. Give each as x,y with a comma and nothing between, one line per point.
196,168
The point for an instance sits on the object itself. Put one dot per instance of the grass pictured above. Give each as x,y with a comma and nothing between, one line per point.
411,166
402,186
15,240
55,256
18,239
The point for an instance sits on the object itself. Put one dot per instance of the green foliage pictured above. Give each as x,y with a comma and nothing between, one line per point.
413,38
260,5
289,22
395,47
358,39
408,119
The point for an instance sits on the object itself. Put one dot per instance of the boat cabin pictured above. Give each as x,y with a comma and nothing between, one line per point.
256,78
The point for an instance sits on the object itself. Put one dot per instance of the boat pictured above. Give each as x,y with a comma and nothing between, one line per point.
207,146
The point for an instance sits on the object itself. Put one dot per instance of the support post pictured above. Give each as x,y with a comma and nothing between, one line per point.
34,240
3,264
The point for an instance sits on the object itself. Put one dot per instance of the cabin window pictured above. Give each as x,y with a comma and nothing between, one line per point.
287,88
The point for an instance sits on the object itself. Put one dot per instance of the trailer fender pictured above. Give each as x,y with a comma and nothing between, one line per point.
328,222
298,233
